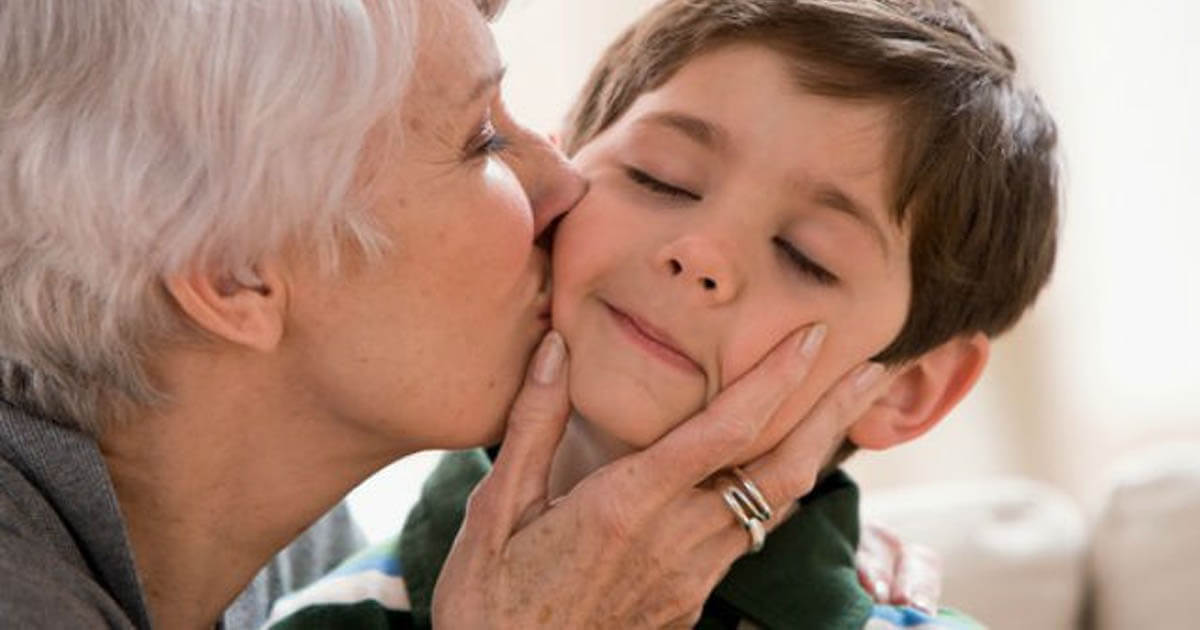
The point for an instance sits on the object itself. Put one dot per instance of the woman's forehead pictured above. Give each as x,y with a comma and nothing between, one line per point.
457,51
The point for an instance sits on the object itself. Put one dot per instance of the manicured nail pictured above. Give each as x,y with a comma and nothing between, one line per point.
922,604
867,376
812,341
548,362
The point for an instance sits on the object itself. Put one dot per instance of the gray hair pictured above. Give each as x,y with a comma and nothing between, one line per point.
139,138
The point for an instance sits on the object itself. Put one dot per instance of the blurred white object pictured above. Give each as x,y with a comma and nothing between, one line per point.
1146,549
381,503
1013,550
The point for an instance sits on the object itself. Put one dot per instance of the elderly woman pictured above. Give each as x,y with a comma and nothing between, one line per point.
251,252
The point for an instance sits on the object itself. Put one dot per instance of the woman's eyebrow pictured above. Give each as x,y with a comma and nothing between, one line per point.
484,84
703,132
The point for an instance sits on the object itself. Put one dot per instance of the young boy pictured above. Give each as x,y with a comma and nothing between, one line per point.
757,166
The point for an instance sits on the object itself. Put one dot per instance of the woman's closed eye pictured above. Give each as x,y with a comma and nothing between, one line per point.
486,141
805,264
659,187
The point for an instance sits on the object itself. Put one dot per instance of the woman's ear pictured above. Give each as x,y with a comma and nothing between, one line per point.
922,393
246,306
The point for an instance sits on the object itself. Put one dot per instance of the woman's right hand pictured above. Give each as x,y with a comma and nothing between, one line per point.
637,544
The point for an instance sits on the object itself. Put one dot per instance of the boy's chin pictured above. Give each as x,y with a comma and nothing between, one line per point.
621,428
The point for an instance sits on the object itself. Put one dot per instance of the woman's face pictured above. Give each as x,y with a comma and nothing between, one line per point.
719,221
429,344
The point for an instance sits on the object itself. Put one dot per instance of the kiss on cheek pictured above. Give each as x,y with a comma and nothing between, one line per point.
717,223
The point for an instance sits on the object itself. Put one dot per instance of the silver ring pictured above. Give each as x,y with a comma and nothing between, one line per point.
735,506
758,535
736,500
757,502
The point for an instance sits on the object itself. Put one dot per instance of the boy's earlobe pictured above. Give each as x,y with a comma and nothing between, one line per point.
922,393
244,307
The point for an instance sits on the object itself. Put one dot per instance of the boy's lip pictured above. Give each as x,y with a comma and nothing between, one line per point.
656,341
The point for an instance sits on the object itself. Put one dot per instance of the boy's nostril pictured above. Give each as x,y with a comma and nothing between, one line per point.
676,267
709,284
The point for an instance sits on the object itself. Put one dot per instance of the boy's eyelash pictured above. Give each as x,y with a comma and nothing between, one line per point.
794,255
647,181
806,264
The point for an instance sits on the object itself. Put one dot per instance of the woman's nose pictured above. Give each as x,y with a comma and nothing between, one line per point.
703,267
550,180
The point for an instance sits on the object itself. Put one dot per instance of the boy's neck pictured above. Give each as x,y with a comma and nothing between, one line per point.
583,450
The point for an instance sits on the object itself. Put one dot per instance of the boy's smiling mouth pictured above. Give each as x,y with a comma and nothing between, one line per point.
654,341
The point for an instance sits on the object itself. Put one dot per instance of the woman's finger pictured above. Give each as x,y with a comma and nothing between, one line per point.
515,489
790,470
706,443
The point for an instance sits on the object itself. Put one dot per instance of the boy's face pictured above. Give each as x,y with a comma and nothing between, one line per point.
727,209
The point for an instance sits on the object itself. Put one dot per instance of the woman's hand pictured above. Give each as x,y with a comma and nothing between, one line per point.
899,573
636,544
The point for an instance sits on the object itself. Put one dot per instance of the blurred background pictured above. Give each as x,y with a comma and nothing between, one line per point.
1039,519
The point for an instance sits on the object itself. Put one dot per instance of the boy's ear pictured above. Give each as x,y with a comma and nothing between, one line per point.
246,307
922,393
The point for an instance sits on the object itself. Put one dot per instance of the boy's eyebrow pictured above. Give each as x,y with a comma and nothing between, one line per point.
699,130
830,196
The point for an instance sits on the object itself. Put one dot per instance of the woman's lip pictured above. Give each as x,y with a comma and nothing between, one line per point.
656,342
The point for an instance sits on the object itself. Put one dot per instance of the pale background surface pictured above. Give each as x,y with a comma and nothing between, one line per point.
1107,361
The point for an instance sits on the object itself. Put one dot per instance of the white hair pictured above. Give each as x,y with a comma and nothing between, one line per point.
142,137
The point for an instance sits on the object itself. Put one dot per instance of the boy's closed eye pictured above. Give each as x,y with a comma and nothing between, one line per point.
658,186
791,253
807,265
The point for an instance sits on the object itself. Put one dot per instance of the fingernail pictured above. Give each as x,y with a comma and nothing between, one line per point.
812,341
548,362
867,376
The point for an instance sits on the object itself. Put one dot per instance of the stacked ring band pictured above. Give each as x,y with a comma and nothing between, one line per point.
752,525
749,506
758,503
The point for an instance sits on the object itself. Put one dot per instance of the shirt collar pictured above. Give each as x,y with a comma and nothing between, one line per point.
805,576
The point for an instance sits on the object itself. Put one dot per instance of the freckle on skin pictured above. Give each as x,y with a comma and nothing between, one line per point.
544,616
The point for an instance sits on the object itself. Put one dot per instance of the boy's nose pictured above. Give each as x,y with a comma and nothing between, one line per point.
703,267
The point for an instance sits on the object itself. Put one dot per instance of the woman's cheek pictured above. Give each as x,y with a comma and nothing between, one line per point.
504,218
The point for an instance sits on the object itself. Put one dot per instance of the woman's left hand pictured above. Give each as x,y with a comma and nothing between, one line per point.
636,544
899,573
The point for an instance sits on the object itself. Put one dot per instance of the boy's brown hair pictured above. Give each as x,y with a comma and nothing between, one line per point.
975,178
